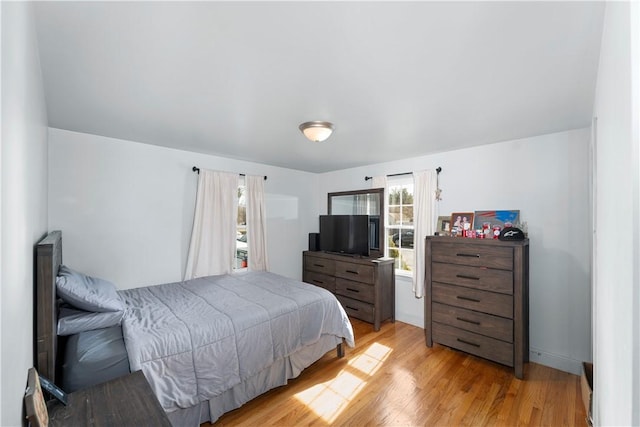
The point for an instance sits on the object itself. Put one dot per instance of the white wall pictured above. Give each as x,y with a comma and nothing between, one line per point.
547,179
23,200
126,209
616,284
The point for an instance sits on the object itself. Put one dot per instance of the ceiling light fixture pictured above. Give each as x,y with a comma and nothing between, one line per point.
317,131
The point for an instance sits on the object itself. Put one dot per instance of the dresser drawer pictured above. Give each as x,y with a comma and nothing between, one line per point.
319,279
473,277
472,299
356,290
359,272
319,265
473,255
358,309
489,348
473,321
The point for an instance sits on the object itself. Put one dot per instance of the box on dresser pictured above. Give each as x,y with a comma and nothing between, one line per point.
364,286
477,298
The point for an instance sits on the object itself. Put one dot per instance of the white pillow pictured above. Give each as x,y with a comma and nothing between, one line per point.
87,293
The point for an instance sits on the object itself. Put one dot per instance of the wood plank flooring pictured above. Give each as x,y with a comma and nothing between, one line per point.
392,379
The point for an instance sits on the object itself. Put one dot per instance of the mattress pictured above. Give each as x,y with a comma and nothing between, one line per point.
93,357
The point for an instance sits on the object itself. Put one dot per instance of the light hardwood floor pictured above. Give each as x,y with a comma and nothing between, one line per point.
392,379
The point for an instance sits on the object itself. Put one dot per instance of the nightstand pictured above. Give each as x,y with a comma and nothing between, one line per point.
125,401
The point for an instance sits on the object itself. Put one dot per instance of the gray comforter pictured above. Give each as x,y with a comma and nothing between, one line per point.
195,339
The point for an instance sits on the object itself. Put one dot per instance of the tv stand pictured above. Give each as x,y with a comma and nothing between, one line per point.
366,287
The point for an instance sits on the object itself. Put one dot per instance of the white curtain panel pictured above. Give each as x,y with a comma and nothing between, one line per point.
424,221
213,239
256,224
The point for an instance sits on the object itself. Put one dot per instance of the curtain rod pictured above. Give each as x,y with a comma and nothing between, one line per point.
197,170
367,178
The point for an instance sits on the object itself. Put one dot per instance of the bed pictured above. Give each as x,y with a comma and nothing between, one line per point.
206,345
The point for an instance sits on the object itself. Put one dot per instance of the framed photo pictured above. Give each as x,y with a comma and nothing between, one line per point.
444,226
495,218
35,408
461,221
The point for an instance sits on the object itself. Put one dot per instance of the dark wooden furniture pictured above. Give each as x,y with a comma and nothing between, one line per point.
477,298
364,286
48,260
125,401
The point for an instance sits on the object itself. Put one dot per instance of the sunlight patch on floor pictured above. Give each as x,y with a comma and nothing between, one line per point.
372,359
329,399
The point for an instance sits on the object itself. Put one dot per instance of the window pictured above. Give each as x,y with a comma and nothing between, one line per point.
242,254
399,227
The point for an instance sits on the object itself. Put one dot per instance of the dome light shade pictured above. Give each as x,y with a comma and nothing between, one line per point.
316,131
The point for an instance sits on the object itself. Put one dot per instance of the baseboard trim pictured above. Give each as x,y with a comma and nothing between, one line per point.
555,361
410,319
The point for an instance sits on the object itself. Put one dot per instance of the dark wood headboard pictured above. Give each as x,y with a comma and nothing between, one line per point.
48,259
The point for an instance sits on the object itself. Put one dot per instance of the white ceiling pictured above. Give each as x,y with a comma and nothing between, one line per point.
398,79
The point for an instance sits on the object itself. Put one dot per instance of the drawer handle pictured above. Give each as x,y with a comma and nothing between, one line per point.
473,322
318,265
468,343
351,308
462,276
352,272
469,255
318,281
353,290
467,298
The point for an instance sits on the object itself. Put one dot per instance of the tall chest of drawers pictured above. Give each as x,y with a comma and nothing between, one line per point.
477,298
364,286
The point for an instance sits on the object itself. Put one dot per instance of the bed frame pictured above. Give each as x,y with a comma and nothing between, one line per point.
48,253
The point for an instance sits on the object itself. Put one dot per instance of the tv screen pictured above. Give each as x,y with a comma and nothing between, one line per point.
346,234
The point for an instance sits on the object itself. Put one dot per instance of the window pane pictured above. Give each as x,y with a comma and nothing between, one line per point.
407,215
242,254
406,194
242,216
407,257
394,215
394,195
242,206
392,237
403,238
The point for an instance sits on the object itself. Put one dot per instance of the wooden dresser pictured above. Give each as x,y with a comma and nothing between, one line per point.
364,286
477,298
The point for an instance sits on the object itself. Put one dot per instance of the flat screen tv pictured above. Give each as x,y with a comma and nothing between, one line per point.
345,234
